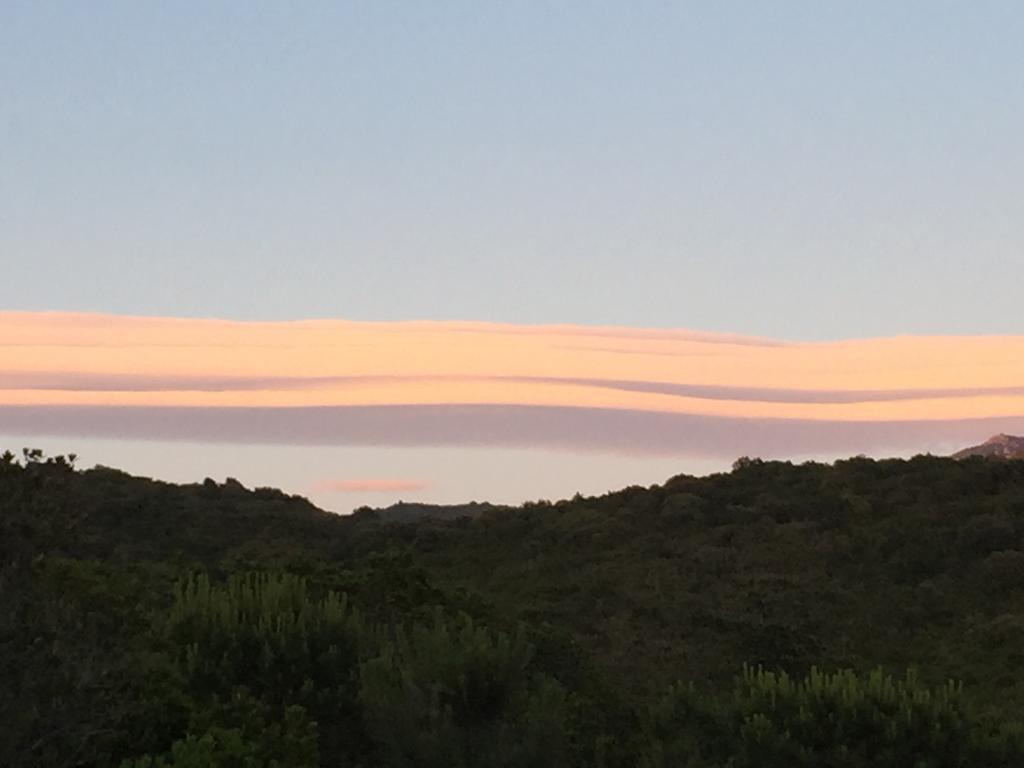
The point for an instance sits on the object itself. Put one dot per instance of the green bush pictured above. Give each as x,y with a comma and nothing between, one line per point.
251,741
839,720
452,694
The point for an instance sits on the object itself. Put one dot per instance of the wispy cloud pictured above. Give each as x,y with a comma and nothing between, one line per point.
369,485
75,381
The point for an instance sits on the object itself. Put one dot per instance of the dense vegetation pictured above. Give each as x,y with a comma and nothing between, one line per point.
777,615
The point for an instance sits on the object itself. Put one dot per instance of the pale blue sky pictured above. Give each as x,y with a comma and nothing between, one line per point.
795,169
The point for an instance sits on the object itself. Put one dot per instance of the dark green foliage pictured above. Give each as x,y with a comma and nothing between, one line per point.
451,693
80,676
239,733
841,720
406,512
858,564
144,624
264,633
266,636
273,674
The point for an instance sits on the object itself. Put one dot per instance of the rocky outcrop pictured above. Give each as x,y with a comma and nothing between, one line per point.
999,446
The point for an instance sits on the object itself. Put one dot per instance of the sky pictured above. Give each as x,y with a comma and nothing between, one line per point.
565,246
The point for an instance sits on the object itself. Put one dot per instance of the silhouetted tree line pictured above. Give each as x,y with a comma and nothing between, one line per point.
776,615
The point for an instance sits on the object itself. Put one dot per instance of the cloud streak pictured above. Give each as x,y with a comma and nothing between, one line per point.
74,381
369,485
562,428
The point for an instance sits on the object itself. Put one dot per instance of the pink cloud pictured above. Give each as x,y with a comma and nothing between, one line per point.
76,381
369,485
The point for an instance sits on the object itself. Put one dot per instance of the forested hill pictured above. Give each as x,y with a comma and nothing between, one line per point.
146,624
109,515
408,512
998,446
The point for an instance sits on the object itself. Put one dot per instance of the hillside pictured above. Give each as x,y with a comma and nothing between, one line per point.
406,512
571,617
997,446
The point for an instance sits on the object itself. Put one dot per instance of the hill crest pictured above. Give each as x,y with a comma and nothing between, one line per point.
998,446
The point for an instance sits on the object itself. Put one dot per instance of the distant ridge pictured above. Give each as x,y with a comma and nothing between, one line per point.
998,446
407,512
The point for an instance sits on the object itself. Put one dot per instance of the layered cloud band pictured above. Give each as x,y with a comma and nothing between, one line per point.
664,391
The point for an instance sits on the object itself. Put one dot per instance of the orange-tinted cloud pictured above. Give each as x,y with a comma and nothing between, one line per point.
465,379
369,485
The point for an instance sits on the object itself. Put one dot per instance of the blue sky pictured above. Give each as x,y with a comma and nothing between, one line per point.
800,170
808,171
